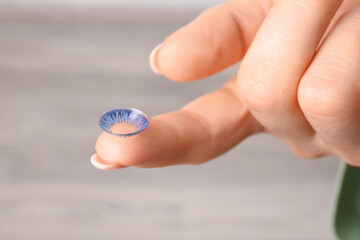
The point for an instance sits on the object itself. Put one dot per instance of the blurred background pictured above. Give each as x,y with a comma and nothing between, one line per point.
63,63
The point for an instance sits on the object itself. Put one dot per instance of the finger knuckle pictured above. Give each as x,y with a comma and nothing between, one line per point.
353,15
323,98
305,150
306,153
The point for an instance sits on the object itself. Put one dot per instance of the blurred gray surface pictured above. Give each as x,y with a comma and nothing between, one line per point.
60,68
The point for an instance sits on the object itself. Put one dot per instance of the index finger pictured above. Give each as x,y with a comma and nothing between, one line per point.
202,130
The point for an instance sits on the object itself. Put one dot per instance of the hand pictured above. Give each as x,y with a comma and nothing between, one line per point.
299,80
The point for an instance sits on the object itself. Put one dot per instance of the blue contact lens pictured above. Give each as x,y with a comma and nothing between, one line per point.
124,122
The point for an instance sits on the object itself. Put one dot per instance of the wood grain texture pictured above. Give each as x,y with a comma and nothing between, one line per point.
60,68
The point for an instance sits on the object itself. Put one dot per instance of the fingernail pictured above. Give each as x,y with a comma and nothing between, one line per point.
153,60
101,164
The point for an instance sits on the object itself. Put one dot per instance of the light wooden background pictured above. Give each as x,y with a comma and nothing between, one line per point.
60,68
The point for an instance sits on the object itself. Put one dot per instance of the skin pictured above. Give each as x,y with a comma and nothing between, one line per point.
299,80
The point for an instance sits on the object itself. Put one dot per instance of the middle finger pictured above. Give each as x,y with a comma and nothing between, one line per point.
277,58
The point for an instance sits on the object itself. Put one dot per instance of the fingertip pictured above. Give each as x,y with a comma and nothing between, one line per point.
153,60
99,163
180,58
215,40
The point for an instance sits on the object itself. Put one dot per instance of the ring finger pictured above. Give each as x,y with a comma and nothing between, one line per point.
329,93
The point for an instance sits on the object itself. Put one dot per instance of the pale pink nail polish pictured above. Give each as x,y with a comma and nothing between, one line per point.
153,60
100,164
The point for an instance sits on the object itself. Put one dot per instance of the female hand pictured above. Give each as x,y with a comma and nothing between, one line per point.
299,80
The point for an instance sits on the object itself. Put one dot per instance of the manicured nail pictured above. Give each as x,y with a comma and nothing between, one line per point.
101,164
153,60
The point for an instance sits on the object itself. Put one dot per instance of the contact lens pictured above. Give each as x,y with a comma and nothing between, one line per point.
124,122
